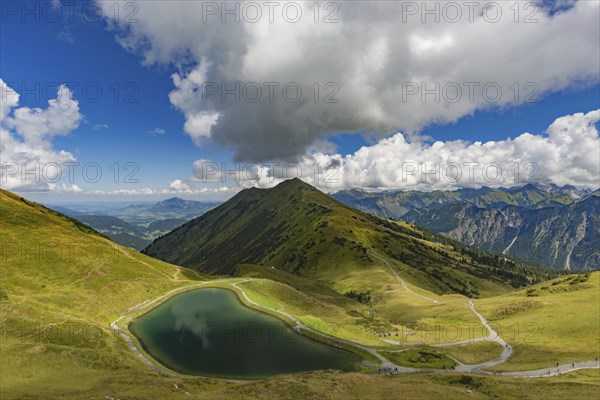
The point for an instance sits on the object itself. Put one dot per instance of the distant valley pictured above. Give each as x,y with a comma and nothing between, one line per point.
135,225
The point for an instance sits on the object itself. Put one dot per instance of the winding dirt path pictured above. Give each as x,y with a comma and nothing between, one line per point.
554,371
400,280
155,366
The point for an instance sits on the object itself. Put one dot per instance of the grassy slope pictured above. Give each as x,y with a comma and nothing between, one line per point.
314,304
393,311
419,357
558,322
451,386
56,303
473,353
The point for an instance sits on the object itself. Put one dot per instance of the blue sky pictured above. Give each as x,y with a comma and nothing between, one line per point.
118,126
134,98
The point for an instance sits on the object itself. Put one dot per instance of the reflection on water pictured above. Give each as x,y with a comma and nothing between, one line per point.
190,319
210,332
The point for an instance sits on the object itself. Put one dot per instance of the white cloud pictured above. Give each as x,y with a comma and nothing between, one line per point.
65,188
28,158
179,185
199,125
568,153
60,118
423,46
9,99
370,55
100,126
170,191
156,131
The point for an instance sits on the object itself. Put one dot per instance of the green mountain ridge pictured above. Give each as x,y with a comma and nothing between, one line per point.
301,230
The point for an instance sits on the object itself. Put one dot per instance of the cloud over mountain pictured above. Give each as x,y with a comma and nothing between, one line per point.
567,153
238,82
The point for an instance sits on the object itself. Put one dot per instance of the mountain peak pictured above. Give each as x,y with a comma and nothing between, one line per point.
171,204
294,185
295,182
528,186
172,200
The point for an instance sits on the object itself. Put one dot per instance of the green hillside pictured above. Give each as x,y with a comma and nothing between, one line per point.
296,228
61,284
553,322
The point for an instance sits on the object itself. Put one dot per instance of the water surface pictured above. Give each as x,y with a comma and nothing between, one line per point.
210,332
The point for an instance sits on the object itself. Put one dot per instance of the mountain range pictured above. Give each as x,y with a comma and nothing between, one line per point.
552,225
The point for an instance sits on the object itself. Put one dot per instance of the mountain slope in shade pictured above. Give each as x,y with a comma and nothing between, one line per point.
566,237
301,230
547,224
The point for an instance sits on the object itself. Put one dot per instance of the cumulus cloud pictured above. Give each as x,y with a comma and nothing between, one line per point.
9,99
29,161
60,118
65,188
567,153
179,185
365,73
